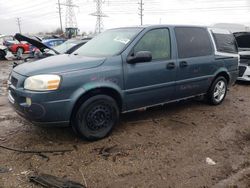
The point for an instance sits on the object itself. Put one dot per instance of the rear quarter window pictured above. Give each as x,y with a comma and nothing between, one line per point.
225,42
193,42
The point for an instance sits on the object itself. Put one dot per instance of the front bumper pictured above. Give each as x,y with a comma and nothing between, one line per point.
244,72
45,107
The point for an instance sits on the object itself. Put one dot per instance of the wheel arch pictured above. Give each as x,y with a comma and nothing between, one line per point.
21,48
86,94
225,74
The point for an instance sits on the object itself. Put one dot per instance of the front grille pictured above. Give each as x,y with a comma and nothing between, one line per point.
13,81
242,70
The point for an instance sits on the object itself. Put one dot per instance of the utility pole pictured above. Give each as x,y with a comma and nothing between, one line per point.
99,15
19,24
141,10
60,14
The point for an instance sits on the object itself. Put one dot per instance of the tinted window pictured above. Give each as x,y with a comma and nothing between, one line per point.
157,42
193,42
225,43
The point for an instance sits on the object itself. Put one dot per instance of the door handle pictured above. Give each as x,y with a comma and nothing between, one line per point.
183,64
170,66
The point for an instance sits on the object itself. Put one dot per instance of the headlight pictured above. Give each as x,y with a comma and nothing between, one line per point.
42,82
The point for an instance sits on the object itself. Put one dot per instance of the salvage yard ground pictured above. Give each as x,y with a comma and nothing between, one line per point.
165,146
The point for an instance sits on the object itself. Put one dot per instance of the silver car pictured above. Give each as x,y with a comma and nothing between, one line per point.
243,41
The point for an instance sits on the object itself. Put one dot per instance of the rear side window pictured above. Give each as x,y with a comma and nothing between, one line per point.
193,42
225,43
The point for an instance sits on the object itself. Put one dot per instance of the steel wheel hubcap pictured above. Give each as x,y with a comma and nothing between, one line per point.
99,117
219,91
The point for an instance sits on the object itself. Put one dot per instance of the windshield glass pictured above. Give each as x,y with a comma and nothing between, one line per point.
108,43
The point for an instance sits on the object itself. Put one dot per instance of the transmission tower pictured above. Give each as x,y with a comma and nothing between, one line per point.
70,14
99,16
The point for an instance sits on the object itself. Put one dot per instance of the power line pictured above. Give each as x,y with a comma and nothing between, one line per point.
235,8
33,8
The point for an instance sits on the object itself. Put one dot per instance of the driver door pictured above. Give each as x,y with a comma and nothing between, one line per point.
150,83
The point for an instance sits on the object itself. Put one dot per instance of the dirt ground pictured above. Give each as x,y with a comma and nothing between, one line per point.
165,146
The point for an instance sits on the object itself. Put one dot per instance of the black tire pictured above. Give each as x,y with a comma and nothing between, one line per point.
2,55
218,91
96,117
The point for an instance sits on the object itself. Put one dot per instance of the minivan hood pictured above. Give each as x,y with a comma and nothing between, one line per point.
58,64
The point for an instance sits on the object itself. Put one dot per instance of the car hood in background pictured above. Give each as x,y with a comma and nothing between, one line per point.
33,42
58,64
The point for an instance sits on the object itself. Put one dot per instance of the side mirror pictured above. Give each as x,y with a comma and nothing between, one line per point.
140,57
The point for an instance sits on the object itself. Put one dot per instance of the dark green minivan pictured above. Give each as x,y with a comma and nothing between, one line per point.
122,70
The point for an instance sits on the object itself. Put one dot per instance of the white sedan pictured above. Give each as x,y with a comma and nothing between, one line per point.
244,67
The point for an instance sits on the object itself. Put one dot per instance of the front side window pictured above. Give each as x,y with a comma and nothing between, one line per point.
193,42
157,42
109,43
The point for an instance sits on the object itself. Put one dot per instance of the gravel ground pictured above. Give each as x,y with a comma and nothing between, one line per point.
165,146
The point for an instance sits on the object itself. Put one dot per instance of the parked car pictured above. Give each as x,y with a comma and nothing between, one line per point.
69,46
41,50
53,42
4,39
19,47
122,70
35,44
3,52
243,41
3,45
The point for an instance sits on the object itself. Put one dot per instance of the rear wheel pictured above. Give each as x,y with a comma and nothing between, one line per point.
96,117
217,91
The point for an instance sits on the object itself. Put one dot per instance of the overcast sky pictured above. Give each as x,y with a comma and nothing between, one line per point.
42,15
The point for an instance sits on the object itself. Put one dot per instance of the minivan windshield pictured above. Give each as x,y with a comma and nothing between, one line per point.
108,43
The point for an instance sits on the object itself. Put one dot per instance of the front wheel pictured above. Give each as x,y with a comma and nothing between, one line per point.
96,117
217,91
